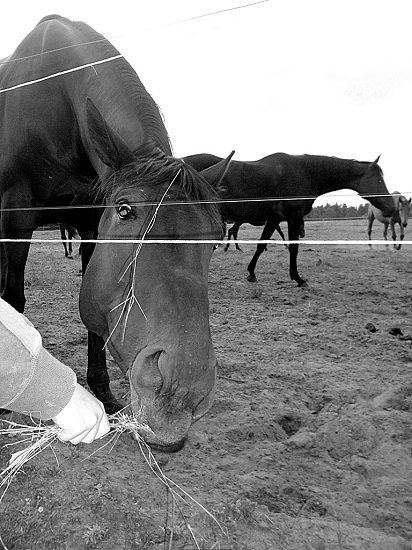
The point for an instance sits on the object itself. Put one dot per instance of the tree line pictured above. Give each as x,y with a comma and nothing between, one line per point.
338,211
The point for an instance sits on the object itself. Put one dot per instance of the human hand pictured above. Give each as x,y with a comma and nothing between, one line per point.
83,419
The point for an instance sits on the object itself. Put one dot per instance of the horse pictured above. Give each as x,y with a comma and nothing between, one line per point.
401,215
282,187
233,231
78,128
67,234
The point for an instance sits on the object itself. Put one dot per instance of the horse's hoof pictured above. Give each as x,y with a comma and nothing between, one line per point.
251,279
302,284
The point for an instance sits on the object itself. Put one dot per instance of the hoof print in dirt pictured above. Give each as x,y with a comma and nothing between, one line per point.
396,331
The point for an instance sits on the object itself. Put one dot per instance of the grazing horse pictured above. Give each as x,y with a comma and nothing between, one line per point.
75,120
68,233
283,187
400,216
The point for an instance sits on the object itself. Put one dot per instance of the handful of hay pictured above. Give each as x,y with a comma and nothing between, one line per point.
40,437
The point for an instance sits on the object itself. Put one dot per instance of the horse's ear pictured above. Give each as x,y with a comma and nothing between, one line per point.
214,174
376,160
108,145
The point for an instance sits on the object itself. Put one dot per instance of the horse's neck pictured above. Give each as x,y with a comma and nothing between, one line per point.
331,173
130,110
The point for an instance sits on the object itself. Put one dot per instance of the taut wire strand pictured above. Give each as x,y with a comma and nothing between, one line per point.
110,38
207,241
188,202
215,13
61,73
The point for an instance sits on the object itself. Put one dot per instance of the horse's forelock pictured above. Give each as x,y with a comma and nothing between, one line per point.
154,168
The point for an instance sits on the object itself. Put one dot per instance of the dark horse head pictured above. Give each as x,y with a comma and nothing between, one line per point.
72,112
150,301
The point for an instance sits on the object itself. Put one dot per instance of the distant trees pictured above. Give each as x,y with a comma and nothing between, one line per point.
338,211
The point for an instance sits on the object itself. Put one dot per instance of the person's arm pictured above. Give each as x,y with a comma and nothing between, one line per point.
34,382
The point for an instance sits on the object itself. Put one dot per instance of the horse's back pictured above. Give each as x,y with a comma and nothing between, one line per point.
43,118
37,109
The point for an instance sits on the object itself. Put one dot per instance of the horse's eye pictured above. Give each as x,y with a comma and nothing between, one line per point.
125,211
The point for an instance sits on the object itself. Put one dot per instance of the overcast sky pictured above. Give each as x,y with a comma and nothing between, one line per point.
320,77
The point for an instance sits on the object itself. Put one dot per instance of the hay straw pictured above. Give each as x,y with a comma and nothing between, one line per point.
131,297
41,437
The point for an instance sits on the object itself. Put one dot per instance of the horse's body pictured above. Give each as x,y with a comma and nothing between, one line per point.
67,234
401,215
286,187
95,122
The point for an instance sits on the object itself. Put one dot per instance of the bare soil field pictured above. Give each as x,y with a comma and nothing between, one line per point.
308,444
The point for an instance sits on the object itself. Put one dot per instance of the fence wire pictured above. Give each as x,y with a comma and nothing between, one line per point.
177,203
310,242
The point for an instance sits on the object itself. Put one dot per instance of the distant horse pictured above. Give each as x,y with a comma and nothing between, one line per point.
286,187
68,233
400,216
234,230
77,123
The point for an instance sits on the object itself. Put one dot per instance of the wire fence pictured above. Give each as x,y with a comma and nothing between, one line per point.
166,203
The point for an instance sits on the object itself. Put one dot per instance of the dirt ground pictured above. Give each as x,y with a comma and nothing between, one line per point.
308,444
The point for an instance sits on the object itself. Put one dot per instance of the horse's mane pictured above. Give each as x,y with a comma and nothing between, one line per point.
155,168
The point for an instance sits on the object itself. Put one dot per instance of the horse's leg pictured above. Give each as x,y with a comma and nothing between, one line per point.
278,229
12,272
385,232
229,236
267,232
235,230
371,218
302,229
402,234
63,238
294,228
97,376
232,232
395,246
70,254
13,255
